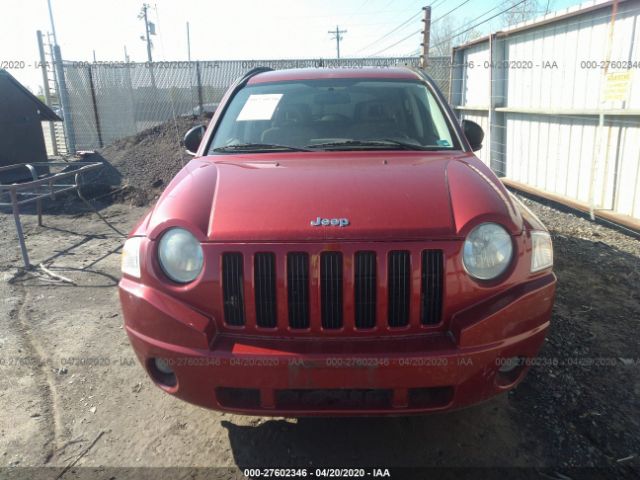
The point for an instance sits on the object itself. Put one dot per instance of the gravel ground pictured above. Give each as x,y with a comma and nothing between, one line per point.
584,397
71,390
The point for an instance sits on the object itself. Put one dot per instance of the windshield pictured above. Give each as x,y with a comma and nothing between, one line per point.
333,114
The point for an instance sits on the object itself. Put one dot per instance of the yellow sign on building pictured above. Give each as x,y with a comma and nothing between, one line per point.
617,85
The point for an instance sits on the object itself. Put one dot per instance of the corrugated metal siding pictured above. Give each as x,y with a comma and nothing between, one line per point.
543,110
475,93
476,77
626,199
569,43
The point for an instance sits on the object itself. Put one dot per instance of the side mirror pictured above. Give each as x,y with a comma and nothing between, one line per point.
474,134
193,138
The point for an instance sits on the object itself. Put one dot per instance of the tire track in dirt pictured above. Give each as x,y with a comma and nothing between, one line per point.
41,369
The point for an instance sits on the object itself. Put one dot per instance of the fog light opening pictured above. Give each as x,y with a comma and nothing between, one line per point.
509,370
162,372
509,364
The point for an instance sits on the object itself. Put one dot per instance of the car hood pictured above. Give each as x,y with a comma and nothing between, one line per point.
382,195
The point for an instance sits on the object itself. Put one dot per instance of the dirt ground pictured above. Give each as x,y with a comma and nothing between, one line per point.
72,391
146,162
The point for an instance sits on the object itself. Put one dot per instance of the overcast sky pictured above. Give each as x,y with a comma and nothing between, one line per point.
222,30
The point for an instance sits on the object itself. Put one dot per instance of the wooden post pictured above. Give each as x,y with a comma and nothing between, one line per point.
426,36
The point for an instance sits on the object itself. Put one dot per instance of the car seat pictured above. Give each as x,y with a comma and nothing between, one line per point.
290,126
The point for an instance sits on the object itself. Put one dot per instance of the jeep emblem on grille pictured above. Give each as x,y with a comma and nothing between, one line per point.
330,222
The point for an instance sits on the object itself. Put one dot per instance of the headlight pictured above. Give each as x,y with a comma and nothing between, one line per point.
131,257
487,251
541,251
180,255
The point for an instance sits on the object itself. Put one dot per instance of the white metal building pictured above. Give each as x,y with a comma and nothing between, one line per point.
559,100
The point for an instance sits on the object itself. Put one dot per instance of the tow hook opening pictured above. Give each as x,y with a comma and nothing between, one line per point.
161,372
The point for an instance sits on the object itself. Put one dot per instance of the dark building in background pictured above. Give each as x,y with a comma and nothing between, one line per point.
21,135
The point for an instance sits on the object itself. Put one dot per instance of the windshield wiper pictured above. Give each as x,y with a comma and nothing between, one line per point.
383,143
257,147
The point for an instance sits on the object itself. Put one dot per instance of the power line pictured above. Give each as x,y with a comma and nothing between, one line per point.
450,11
361,6
480,16
390,32
412,53
457,33
403,24
435,4
354,13
398,42
479,23
389,4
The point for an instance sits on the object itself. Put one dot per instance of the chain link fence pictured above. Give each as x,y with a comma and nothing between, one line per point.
109,101
439,68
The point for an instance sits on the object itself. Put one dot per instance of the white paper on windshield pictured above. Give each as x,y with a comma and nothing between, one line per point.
259,107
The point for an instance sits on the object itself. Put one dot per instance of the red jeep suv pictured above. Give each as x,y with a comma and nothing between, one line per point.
335,247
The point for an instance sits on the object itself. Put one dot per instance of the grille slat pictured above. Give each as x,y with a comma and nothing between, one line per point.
365,289
298,289
331,289
265,289
398,287
432,287
399,272
233,288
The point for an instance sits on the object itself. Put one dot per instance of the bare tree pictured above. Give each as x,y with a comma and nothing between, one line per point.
448,33
524,11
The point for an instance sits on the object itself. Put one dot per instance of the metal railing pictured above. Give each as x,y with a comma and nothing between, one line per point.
42,187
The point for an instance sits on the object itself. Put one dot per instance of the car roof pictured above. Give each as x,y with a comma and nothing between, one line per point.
398,73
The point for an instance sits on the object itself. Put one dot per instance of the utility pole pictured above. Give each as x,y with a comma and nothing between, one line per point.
143,16
188,43
337,36
53,25
191,76
47,92
149,29
426,35
62,87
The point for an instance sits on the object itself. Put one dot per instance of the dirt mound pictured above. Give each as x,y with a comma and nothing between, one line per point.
148,160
